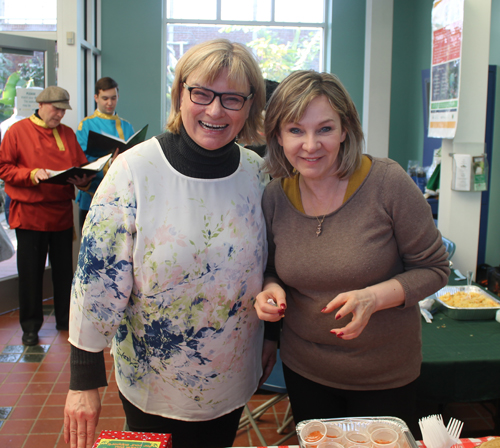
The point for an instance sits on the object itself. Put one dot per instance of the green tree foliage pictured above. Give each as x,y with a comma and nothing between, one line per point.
27,74
278,58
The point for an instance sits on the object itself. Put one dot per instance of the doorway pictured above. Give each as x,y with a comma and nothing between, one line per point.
25,62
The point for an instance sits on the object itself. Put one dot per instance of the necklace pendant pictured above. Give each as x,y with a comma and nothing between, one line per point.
318,230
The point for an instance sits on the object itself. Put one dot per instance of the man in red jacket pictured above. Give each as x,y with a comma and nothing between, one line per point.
42,213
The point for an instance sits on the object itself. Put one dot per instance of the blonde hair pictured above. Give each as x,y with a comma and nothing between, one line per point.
210,59
289,103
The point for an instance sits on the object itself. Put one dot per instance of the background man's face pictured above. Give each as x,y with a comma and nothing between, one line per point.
50,114
106,100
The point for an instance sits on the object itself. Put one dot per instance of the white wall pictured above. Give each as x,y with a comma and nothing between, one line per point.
459,212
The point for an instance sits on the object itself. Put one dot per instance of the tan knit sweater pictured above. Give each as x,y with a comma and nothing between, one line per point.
383,230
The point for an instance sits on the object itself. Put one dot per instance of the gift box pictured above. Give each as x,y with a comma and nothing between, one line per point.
130,439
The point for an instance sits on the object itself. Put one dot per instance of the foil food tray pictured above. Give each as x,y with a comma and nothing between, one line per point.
406,439
466,313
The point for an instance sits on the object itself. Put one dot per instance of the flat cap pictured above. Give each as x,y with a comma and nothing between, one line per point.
57,96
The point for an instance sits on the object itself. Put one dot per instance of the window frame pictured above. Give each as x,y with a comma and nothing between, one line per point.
325,25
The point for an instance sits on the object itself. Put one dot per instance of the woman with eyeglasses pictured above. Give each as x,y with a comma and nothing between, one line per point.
172,257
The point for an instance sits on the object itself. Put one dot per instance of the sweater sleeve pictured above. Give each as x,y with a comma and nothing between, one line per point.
271,329
88,370
426,268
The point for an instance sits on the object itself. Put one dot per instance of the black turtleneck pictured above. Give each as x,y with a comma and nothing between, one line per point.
192,160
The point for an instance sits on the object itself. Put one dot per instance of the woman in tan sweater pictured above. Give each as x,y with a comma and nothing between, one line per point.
352,249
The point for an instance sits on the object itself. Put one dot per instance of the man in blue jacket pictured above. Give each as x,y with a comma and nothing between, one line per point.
103,121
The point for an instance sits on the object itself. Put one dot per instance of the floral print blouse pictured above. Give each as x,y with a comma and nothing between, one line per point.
168,271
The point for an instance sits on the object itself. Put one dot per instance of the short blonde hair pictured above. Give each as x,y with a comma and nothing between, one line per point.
210,59
289,103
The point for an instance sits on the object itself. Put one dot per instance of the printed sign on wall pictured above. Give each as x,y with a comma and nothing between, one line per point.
447,28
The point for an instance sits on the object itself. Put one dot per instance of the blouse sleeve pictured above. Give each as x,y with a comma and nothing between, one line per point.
104,276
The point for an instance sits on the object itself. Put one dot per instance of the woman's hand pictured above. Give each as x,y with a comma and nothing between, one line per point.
362,304
271,302
81,415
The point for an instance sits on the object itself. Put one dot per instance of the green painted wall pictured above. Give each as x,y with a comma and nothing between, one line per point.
493,235
411,53
131,54
348,47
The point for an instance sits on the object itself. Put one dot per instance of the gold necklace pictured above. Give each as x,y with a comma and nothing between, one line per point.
319,228
320,224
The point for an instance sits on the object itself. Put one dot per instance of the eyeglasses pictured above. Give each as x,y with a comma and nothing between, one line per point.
204,97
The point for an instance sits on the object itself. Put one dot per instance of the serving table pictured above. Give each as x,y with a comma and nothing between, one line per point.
461,361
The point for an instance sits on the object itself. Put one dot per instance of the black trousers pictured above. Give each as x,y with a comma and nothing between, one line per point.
310,400
216,433
32,249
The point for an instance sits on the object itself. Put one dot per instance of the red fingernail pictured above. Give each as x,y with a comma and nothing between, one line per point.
338,316
332,331
339,335
282,306
323,310
282,313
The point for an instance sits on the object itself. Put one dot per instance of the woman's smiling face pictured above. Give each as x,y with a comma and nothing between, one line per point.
312,144
212,126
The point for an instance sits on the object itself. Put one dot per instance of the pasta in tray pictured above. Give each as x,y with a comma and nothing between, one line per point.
468,300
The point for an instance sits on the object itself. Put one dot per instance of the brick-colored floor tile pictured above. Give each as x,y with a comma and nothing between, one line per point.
45,377
112,410
16,426
61,387
6,367
48,426
8,400
61,443
64,376
19,377
113,424
32,400
39,388
25,367
56,357
111,398
12,441
242,438
60,348
51,366
25,412
52,412
6,336
12,389
56,399
42,440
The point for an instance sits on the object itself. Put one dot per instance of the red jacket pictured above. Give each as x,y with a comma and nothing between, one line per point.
29,145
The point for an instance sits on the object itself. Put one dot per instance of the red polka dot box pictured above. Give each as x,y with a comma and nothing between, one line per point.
129,439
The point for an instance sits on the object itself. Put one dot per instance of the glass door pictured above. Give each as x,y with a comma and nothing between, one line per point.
25,62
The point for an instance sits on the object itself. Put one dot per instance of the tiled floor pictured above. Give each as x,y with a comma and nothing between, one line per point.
34,382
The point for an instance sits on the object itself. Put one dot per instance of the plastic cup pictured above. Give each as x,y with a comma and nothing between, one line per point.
334,433
312,433
384,438
329,443
377,425
357,438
